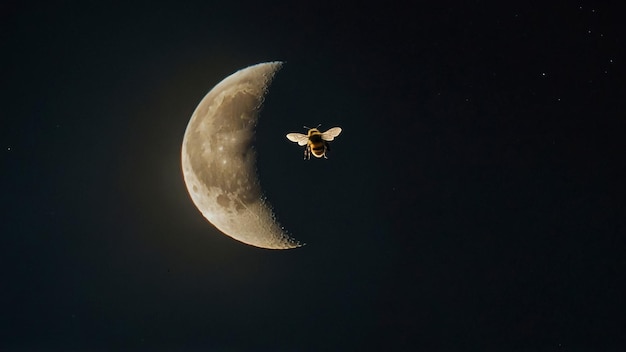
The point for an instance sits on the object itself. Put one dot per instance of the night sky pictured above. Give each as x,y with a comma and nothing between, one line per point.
474,201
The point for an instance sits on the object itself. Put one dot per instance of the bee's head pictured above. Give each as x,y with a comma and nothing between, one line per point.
313,130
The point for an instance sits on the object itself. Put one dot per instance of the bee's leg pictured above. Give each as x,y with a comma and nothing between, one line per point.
307,153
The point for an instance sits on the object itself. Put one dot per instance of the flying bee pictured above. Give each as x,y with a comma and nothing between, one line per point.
316,142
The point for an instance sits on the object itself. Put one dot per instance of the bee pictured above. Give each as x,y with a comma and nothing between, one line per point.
316,142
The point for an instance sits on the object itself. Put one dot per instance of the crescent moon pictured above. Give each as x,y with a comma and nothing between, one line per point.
219,162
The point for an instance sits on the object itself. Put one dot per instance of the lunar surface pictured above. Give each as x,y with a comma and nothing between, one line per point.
219,162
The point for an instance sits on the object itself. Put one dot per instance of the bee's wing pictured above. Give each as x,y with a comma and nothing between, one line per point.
299,138
331,134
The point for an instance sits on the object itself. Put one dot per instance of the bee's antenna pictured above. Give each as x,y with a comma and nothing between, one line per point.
308,128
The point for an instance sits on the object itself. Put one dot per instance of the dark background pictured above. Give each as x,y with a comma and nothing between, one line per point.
475,200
